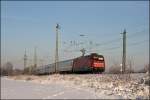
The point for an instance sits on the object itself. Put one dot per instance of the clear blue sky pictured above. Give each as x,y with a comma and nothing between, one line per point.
26,24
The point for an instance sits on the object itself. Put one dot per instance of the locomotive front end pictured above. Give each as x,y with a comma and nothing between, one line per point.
98,63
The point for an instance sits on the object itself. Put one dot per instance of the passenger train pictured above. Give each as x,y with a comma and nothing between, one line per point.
89,63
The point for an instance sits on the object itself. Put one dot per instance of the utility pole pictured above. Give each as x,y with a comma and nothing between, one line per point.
56,52
124,52
35,57
25,60
35,61
90,46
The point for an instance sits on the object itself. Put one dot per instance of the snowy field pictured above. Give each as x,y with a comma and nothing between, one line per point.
104,86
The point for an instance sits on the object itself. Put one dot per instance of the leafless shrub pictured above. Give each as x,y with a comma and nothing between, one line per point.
129,70
29,70
17,72
28,79
7,69
145,69
114,70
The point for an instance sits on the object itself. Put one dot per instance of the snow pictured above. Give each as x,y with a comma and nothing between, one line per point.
115,85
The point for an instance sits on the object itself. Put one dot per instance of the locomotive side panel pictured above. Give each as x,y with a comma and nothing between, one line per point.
82,64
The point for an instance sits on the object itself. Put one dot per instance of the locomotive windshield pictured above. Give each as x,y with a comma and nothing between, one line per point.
97,57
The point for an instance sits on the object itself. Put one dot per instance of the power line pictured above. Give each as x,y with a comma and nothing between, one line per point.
108,42
114,40
112,48
138,43
137,34
117,39
117,47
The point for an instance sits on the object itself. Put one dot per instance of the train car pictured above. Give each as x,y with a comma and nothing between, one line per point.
65,66
50,68
39,70
93,62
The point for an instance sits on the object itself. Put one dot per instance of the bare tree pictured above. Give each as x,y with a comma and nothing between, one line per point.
115,68
17,72
29,70
7,69
145,69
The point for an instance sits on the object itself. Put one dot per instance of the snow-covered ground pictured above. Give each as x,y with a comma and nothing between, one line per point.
103,85
22,89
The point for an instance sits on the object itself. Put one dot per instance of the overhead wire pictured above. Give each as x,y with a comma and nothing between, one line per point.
111,42
117,47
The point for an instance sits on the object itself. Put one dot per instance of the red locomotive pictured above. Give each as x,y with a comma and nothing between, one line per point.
93,62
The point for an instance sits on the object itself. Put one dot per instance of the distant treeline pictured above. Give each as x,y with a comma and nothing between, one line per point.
115,69
7,69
